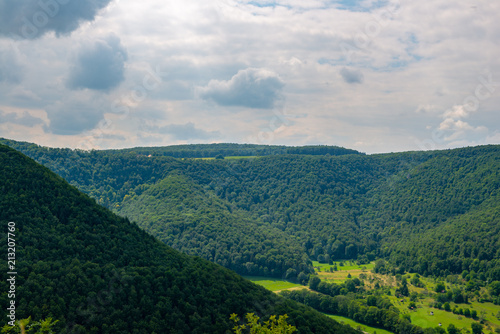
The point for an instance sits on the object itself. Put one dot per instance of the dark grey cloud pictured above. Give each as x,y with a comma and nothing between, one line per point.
187,131
73,117
99,66
351,76
25,119
10,69
252,88
30,19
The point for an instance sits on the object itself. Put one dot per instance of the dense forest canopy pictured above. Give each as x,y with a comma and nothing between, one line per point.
96,272
433,212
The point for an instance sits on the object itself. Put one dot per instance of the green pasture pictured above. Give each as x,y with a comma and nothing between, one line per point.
273,284
355,324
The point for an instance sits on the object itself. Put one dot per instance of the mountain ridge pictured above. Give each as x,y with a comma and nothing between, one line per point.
326,207
96,272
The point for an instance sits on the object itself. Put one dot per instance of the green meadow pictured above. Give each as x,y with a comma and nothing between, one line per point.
357,325
273,284
424,315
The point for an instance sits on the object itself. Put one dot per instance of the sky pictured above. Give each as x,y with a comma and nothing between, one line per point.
375,76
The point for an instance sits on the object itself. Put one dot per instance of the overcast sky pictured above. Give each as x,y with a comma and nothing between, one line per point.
369,75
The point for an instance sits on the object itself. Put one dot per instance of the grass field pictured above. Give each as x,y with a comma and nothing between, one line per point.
273,284
355,324
421,316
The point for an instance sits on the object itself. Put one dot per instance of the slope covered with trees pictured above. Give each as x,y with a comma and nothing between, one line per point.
400,206
98,273
182,214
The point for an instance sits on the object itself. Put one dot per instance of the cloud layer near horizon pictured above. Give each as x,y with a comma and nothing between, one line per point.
373,76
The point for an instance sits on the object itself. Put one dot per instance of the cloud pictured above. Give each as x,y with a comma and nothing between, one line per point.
452,123
438,67
252,88
30,19
21,94
426,109
73,117
187,131
99,66
10,69
456,112
25,119
351,76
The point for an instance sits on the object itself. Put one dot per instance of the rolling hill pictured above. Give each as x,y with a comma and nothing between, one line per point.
433,212
98,273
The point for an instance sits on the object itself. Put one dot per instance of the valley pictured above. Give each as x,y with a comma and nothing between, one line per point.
371,236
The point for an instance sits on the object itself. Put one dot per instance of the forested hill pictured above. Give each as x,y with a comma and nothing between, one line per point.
206,150
98,273
435,213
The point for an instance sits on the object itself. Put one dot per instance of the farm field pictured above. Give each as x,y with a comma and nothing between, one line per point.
273,284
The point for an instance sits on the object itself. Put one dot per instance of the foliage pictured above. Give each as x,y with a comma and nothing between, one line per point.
452,329
476,328
434,213
23,326
96,272
279,326
384,315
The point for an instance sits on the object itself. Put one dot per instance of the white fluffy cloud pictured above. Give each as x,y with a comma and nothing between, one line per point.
252,88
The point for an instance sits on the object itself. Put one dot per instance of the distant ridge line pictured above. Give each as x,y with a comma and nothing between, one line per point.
213,150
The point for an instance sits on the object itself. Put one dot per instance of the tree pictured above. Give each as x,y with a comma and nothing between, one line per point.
476,328
494,288
416,280
272,326
350,285
379,266
26,326
303,278
452,329
439,330
371,301
440,287
291,274
404,288
314,282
